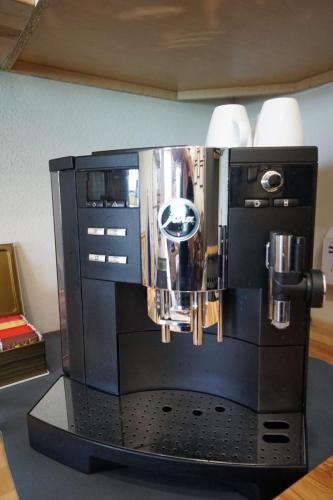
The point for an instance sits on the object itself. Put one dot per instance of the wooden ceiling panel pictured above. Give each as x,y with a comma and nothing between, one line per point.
183,48
14,15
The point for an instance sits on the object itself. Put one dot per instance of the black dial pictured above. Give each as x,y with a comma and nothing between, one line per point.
272,181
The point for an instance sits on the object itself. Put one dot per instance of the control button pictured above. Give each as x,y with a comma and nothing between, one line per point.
286,202
261,203
94,204
272,181
116,231
115,204
117,259
96,231
93,257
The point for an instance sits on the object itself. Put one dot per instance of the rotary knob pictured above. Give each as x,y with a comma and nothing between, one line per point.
272,181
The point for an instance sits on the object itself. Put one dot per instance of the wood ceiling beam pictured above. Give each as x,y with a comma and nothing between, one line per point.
60,74
18,20
256,90
64,75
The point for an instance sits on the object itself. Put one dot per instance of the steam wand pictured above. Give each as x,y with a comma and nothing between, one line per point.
285,261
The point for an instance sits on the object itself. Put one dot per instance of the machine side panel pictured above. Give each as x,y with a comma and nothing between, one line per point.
68,271
127,246
100,336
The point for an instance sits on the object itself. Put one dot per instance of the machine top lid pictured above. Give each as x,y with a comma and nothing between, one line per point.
100,159
287,154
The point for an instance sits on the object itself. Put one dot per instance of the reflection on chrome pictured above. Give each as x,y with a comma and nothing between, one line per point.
183,196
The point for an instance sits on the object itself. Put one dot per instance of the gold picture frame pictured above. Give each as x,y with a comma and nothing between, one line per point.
10,292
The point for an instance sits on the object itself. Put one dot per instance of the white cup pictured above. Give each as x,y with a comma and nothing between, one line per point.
279,123
229,127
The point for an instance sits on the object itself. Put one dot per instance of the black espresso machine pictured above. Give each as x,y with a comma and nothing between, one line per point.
185,288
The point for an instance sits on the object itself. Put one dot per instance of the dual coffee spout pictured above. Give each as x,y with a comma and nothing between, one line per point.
202,314
189,312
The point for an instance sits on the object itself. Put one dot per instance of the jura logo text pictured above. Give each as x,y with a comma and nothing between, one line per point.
178,219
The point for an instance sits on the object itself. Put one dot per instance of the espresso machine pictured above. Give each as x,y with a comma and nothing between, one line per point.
185,288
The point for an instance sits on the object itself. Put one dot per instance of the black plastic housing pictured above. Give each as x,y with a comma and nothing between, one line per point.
111,345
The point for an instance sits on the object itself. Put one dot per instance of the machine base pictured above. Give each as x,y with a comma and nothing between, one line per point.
173,431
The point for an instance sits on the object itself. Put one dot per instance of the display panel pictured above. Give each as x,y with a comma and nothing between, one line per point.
112,188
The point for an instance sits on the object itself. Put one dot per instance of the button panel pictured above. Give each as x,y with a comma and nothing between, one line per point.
116,231
94,204
93,257
121,239
112,259
96,231
285,202
258,203
115,204
298,181
117,259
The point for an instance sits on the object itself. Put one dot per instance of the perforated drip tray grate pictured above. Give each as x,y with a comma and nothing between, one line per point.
175,423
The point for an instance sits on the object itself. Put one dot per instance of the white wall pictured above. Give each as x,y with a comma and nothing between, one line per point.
41,119
317,112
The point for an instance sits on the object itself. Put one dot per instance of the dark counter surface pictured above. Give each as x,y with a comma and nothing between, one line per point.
38,477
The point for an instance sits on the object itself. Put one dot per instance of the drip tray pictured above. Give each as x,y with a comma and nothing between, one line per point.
170,424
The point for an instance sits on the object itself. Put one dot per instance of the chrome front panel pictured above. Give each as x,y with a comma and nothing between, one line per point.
183,204
186,258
